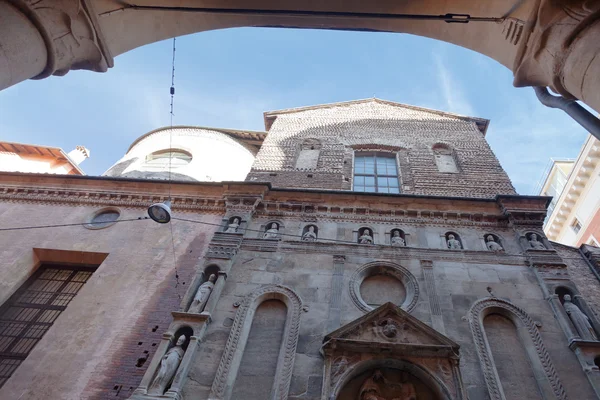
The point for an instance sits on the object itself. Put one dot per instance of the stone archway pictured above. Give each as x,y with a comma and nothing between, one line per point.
390,379
544,42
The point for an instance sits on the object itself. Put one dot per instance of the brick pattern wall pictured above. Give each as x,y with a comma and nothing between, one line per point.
117,377
374,125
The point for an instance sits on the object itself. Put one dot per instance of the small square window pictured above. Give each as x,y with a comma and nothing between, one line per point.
576,225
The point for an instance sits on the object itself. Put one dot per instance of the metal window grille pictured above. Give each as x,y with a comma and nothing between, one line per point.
375,172
30,312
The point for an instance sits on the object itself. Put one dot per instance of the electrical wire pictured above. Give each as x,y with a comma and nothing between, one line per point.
172,92
20,228
256,230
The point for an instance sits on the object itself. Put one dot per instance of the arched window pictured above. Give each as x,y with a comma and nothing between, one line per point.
376,172
160,159
444,158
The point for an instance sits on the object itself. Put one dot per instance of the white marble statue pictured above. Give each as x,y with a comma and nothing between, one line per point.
397,239
580,320
366,237
453,243
491,244
168,366
202,295
272,232
310,235
233,227
535,244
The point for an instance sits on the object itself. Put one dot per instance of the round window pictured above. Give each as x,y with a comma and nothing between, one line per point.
104,219
377,283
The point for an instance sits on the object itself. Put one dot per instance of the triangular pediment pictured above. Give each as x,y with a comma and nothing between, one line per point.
372,108
389,326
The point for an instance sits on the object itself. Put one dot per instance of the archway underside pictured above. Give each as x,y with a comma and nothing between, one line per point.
544,42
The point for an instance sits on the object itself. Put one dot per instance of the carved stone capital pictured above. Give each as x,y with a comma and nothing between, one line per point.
72,35
560,49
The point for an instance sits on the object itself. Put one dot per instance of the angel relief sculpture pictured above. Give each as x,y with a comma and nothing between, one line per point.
377,387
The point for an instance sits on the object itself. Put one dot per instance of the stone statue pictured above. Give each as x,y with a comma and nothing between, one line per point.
491,244
310,235
233,227
453,244
366,237
272,233
370,388
168,367
202,295
397,239
535,244
579,319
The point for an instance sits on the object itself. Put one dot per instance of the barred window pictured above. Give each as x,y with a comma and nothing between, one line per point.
29,313
376,172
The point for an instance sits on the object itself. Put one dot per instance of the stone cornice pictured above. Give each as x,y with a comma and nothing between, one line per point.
78,196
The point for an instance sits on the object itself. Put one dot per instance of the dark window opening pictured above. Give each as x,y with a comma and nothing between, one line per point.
29,313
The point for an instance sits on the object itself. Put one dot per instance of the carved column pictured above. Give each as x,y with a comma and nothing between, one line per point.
40,38
434,302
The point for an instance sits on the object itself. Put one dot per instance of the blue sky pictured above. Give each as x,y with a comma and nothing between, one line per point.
228,78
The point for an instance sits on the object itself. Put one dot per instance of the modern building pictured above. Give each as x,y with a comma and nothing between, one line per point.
20,157
574,212
375,250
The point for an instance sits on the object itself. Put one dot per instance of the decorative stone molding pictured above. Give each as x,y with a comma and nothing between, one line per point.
77,197
477,313
224,245
389,337
384,268
72,35
234,348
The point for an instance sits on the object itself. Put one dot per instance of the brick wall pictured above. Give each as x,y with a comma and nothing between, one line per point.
376,125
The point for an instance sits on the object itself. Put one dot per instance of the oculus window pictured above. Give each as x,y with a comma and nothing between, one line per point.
376,172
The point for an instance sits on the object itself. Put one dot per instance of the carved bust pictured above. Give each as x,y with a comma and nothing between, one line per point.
535,243
168,366
233,226
580,320
453,243
397,239
272,232
491,244
202,295
366,237
310,235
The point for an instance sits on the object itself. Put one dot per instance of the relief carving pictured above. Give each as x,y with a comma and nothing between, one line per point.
374,387
272,232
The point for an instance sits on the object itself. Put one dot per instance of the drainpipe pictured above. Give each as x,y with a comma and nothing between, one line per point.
571,107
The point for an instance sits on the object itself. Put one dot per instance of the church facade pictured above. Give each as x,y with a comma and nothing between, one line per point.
375,251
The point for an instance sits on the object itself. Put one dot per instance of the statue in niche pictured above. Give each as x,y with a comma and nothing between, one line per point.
377,387
580,320
310,235
233,226
491,244
453,243
397,239
535,244
272,232
202,295
168,366
366,237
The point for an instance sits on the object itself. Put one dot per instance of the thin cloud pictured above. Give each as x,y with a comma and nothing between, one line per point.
454,96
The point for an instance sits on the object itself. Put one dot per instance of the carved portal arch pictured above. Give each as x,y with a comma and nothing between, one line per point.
550,387
388,268
236,343
355,369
